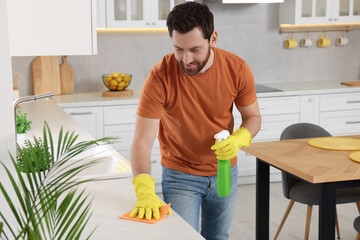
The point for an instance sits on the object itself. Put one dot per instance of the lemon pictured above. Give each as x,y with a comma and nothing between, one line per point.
122,84
122,74
108,77
115,75
119,79
113,83
127,78
112,87
107,82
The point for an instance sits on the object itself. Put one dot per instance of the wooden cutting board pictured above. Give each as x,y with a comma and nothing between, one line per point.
352,84
66,77
124,93
46,75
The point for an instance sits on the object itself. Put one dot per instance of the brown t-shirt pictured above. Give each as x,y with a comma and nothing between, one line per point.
193,109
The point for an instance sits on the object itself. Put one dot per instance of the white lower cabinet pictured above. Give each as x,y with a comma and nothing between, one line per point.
90,118
124,134
277,113
309,108
340,113
341,122
119,121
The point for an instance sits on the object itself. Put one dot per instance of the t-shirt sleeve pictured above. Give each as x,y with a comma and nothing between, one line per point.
246,90
152,97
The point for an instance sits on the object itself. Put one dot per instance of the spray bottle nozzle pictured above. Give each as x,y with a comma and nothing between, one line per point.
221,136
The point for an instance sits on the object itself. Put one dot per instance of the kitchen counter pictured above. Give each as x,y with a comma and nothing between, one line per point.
116,198
94,99
112,197
308,88
41,111
47,110
287,89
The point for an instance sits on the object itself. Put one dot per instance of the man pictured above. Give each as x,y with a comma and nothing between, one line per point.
188,96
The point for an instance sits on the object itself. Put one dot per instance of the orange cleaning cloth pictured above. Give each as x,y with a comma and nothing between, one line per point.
163,212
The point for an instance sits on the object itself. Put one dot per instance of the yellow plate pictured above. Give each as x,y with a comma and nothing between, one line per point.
336,143
355,156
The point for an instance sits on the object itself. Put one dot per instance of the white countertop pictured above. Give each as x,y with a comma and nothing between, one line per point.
116,198
47,110
112,198
94,99
44,110
288,89
309,88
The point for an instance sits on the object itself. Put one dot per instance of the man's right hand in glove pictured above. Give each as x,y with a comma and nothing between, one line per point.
148,203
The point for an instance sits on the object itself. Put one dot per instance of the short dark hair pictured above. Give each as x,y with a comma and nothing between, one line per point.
186,16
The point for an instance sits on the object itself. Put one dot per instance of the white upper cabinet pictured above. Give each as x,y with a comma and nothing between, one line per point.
138,13
52,27
319,11
100,13
346,11
252,1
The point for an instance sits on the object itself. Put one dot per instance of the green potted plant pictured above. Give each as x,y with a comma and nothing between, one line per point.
34,151
48,204
23,125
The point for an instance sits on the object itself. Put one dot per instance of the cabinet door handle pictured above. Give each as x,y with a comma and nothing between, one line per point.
352,122
262,128
355,101
80,113
154,161
247,154
262,107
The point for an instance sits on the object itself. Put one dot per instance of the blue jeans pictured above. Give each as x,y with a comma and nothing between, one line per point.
187,193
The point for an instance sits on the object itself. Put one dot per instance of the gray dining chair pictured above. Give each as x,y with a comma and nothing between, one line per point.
357,227
297,190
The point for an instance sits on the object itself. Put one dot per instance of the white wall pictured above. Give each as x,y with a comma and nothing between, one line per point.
7,128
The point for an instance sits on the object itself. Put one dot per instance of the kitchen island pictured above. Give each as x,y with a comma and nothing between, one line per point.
112,197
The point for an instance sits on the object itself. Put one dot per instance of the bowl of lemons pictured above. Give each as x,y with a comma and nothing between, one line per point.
116,81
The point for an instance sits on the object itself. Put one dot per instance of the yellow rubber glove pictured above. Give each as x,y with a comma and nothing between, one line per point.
228,148
148,203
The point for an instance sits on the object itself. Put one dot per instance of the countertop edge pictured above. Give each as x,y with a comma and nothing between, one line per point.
93,99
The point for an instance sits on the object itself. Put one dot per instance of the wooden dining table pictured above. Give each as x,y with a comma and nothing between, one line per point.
328,168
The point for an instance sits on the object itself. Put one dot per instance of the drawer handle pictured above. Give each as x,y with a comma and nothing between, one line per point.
247,154
262,128
352,122
154,161
262,107
80,113
356,101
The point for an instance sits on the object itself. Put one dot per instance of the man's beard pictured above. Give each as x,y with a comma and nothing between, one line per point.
194,71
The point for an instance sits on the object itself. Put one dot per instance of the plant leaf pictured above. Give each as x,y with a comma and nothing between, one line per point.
48,204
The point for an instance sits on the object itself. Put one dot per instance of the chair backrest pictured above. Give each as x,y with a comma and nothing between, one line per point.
294,131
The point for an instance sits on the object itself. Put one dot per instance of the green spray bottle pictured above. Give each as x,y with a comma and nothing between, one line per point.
224,169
